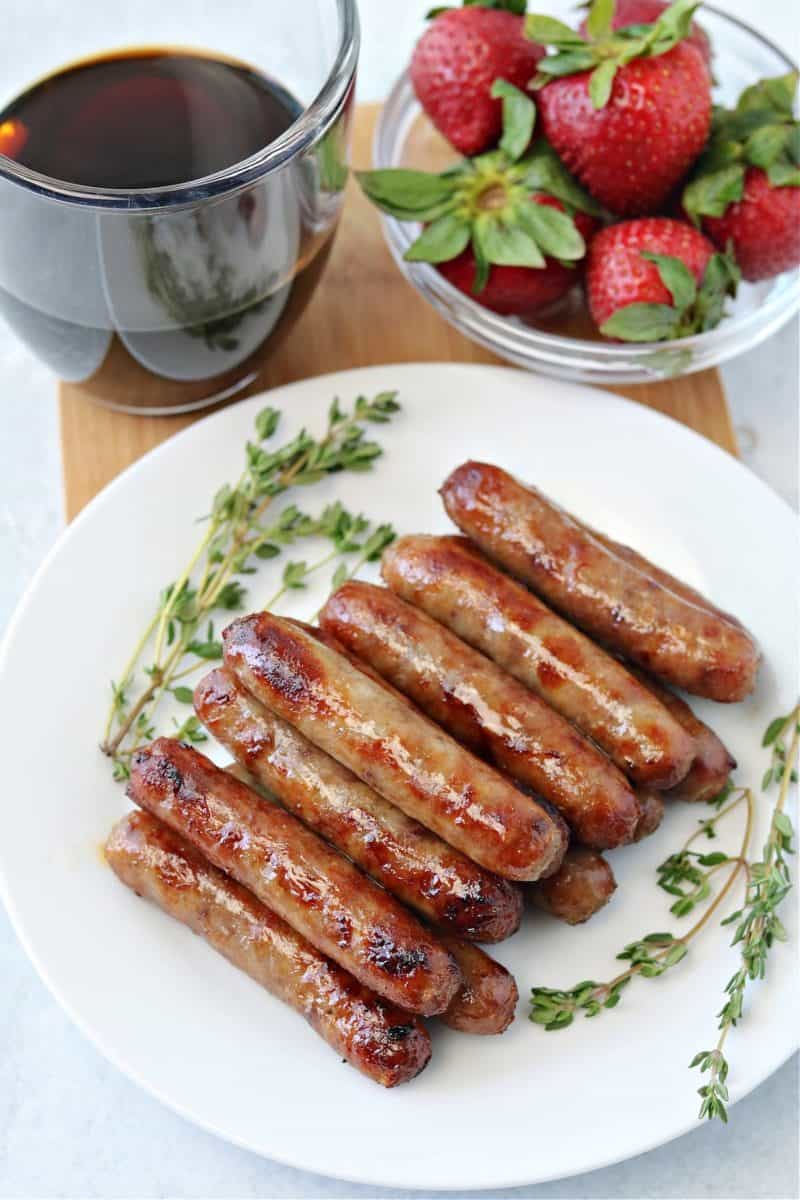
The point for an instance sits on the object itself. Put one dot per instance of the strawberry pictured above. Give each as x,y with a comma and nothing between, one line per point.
655,279
745,191
457,60
629,111
520,290
509,226
647,12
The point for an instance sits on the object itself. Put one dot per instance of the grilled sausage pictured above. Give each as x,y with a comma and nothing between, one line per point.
651,813
488,998
485,709
410,861
392,747
712,762
384,1043
454,584
581,887
286,866
612,592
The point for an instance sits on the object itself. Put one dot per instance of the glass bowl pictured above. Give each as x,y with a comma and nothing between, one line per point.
562,342
161,299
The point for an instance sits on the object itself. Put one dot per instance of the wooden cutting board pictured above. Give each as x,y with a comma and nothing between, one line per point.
363,313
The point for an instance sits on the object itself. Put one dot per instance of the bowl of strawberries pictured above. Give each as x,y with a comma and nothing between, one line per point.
609,194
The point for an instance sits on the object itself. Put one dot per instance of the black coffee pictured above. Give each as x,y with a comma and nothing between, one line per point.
145,118
153,305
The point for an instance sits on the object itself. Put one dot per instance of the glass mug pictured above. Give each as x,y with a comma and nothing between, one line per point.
167,299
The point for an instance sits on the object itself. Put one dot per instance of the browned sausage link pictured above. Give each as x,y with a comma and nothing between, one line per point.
651,813
286,866
410,861
712,763
612,592
385,1043
488,999
486,709
584,884
393,747
454,584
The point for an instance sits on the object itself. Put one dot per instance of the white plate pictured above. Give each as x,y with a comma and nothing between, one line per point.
176,1018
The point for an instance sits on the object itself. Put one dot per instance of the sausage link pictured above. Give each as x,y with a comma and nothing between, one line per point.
611,591
393,748
383,1042
485,709
286,866
581,887
712,762
651,813
411,863
454,584
488,999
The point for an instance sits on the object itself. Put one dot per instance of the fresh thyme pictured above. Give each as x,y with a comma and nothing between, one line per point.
687,875
758,925
180,637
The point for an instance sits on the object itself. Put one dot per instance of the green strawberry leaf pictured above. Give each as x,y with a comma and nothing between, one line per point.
598,22
481,262
408,195
761,132
765,145
783,175
519,118
775,95
440,241
554,232
721,279
506,245
642,323
793,144
676,278
601,83
608,50
547,31
710,195
671,27
545,172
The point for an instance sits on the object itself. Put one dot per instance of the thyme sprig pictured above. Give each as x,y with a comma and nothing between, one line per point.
180,636
758,925
687,875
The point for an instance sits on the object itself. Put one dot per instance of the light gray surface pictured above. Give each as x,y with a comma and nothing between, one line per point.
70,1125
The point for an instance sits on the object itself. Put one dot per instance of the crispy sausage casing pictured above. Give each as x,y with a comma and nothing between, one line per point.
581,887
612,592
486,709
651,813
712,763
456,585
286,866
378,1039
488,998
393,747
410,861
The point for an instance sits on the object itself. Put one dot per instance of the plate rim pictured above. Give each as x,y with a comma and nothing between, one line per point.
95,1039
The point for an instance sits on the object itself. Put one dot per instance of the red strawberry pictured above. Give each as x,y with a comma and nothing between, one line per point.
520,290
745,191
763,228
654,279
457,60
627,112
508,227
646,12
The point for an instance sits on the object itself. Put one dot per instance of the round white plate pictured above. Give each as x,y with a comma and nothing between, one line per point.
205,1040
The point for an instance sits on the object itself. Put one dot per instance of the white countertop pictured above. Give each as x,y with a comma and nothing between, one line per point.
70,1125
